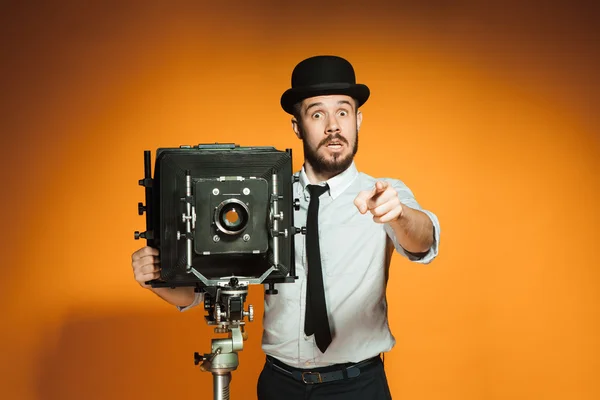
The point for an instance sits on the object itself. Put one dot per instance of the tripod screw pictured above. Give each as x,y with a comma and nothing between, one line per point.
198,358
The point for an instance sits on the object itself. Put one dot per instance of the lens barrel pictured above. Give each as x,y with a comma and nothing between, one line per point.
231,216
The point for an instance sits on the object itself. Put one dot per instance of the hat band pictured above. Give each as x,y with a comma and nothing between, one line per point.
319,86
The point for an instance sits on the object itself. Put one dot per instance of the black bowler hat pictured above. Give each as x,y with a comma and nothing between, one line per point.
323,75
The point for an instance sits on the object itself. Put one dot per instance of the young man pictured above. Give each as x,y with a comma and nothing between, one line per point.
323,335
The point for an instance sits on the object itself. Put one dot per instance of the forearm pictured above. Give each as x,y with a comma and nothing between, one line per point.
414,230
179,296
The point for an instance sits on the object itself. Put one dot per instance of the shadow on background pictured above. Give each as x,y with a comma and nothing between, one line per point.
137,356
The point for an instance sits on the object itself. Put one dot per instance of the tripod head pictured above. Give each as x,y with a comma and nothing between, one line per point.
225,306
225,310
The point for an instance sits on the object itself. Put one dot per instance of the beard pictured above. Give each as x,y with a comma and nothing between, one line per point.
329,165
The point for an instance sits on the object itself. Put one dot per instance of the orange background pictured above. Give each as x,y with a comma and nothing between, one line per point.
488,112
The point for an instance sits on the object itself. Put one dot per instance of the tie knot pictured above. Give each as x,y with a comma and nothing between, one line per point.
317,190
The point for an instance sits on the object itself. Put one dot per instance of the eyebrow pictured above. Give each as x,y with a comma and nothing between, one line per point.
346,102
320,104
312,105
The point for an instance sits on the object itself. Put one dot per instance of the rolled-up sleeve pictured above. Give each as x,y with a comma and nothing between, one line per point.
407,198
198,298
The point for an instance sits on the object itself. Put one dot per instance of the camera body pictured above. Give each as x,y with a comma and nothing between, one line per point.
220,211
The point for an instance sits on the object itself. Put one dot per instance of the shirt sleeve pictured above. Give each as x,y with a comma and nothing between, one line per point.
407,198
199,298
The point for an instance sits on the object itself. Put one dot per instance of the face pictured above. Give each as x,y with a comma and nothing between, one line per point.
328,127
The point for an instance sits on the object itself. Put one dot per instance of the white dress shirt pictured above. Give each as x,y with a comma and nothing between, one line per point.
355,254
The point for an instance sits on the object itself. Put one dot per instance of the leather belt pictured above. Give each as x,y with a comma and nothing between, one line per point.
326,374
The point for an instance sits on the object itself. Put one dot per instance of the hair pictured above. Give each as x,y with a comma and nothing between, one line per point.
296,111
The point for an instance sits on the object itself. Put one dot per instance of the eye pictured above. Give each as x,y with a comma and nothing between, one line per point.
317,115
343,113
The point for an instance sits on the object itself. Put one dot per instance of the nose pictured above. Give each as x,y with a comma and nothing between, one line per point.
332,125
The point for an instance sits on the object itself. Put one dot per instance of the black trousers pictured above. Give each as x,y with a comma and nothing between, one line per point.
371,384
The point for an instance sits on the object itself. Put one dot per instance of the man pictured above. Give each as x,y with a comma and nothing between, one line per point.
323,334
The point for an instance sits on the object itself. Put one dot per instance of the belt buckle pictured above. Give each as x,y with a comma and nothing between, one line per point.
319,380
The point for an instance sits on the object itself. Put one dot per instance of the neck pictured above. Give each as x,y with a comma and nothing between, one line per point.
314,176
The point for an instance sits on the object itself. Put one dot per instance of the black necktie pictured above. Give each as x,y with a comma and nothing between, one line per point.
316,308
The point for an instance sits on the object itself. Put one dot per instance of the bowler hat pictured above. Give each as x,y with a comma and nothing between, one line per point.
323,75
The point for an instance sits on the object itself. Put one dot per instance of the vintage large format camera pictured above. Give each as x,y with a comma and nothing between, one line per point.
221,216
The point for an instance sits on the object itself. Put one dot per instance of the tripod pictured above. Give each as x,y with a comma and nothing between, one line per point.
225,306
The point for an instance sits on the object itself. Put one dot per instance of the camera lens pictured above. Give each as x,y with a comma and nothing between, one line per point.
231,216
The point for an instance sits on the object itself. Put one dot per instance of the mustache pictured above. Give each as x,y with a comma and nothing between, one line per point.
330,139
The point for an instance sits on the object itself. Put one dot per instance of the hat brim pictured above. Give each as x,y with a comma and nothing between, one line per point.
290,97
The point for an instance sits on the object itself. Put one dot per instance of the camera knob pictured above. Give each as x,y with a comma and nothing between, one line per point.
141,208
144,235
300,230
296,204
271,290
249,313
218,314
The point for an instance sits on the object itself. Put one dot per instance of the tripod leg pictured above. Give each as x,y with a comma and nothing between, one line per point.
221,385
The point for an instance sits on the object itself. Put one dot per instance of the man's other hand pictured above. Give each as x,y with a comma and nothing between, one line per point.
145,265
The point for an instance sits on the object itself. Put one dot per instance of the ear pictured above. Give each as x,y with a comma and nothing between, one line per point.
296,128
358,120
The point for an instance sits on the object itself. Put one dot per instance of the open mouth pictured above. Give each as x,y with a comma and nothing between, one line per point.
334,145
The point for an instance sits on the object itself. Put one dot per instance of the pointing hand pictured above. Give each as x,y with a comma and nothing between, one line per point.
382,201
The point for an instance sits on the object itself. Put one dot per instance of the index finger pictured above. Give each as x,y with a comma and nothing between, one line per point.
364,197
380,187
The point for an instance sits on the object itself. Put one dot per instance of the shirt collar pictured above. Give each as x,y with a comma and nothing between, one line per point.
337,184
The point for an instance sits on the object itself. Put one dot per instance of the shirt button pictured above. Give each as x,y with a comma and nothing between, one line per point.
307,363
